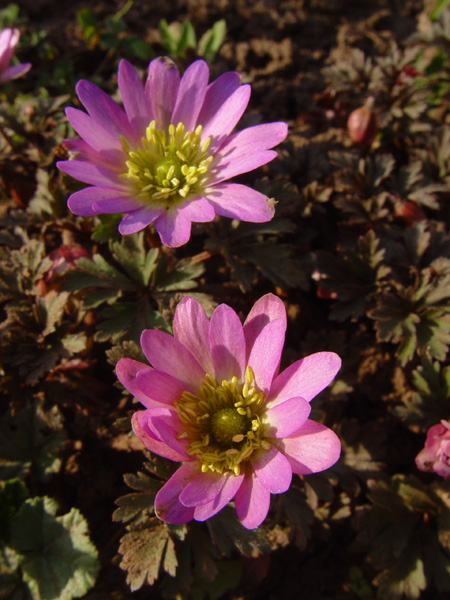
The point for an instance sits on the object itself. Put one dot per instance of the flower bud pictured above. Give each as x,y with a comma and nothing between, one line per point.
362,126
436,454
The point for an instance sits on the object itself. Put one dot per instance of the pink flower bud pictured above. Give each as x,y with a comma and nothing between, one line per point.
362,126
64,258
436,454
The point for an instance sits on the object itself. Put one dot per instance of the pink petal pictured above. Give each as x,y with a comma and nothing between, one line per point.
80,150
92,174
104,110
199,210
227,116
117,204
268,308
286,418
227,344
174,228
236,164
167,354
167,505
14,72
191,94
139,422
136,220
216,94
312,449
126,371
272,469
134,100
160,386
252,502
265,354
99,138
305,378
227,493
191,328
82,202
203,488
8,41
165,426
161,89
238,201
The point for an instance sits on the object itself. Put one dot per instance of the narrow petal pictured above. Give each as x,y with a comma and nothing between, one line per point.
167,504
236,164
104,110
272,469
14,72
136,105
166,426
268,308
127,370
99,200
191,328
91,173
204,488
8,41
139,422
138,219
286,418
216,94
174,228
160,386
305,378
99,138
161,89
199,210
227,344
167,354
312,449
252,502
227,116
191,95
238,201
117,204
265,354
227,493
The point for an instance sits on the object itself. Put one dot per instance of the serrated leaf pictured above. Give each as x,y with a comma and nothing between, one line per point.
13,494
299,514
406,578
127,321
180,277
142,551
131,255
228,534
57,558
95,273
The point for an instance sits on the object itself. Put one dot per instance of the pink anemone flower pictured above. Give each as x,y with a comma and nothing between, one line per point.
8,41
215,401
165,158
436,454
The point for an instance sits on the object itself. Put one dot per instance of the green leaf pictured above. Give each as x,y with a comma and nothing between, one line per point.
12,495
228,534
439,6
212,40
406,578
57,558
95,273
26,444
130,254
127,320
299,514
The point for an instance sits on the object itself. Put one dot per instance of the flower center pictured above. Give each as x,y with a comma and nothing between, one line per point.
223,423
168,166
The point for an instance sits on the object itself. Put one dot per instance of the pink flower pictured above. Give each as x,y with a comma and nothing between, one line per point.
166,157
436,454
8,41
64,259
216,402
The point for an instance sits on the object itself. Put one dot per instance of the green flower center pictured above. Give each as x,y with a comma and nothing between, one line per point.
168,166
223,423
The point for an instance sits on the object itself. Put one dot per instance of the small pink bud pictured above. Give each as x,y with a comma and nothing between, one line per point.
410,212
362,126
436,454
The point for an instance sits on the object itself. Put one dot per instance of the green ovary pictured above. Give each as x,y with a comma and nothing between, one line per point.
168,166
223,423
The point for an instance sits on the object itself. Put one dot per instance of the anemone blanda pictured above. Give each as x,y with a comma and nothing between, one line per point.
8,41
166,156
216,402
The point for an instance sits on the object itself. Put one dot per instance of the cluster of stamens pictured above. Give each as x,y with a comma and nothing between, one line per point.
223,423
167,166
